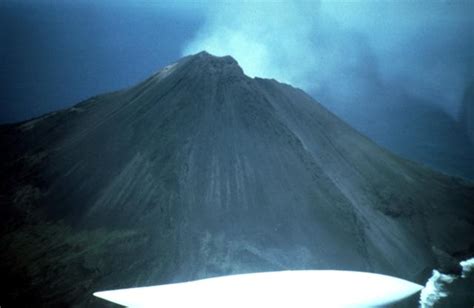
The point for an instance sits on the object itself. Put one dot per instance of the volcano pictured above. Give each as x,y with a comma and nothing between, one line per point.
201,171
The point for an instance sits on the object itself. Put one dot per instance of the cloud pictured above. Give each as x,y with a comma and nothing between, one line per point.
267,40
440,286
348,52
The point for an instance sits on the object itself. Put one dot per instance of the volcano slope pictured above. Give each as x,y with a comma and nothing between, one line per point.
201,171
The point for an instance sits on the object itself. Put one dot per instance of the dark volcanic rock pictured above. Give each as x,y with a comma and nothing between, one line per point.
201,171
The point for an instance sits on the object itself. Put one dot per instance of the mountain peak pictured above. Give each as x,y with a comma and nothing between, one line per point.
202,66
206,55
200,171
214,64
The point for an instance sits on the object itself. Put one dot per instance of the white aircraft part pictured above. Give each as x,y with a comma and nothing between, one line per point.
312,288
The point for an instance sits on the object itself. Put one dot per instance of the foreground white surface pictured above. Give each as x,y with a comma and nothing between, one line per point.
313,288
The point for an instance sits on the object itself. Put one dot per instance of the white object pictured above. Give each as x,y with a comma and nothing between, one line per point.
313,288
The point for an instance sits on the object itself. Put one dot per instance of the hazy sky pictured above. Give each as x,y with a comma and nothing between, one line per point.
55,53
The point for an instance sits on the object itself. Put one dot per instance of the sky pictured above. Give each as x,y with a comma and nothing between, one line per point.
395,70
54,54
